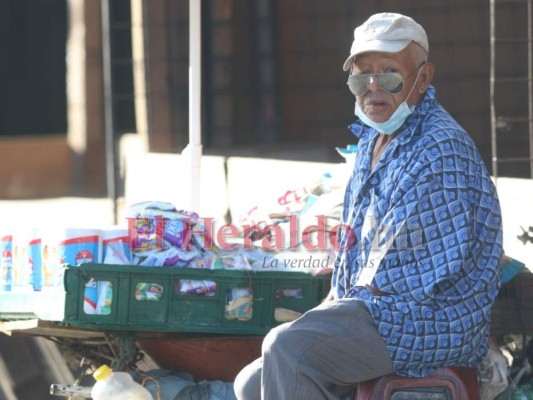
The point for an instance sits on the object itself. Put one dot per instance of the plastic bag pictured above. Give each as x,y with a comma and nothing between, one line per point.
493,373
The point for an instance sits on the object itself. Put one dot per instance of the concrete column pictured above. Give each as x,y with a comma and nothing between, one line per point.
140,84
85,97
153,72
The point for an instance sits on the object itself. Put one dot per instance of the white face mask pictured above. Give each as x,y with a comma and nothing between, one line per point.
395,121
392,124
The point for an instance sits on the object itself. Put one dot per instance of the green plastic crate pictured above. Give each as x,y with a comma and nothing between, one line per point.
175,312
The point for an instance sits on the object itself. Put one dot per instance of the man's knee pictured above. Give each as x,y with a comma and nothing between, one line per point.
276,339
247,385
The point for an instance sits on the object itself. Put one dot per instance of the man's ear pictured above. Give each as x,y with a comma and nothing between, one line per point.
426,76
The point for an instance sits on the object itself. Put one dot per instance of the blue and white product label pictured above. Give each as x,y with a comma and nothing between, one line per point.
105,298
35,264
90,297
6,263
80,248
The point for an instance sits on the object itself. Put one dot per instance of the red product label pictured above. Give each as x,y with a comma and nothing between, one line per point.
84,256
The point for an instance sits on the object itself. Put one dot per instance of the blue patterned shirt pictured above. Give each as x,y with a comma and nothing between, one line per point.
428,218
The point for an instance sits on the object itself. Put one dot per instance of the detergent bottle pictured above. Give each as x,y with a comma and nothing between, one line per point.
118,385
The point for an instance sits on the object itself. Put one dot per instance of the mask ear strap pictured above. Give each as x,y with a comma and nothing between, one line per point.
416,80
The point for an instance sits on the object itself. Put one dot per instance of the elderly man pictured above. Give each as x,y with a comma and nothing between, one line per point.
413,291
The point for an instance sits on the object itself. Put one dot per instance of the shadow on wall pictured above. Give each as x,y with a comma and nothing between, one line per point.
29,365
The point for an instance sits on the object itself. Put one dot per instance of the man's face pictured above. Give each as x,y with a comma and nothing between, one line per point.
376,103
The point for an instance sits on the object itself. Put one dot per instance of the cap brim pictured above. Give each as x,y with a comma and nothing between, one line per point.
379,46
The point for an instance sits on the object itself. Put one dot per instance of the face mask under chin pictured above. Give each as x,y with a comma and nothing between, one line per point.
390,126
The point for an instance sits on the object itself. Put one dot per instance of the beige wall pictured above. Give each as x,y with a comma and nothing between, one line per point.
35,167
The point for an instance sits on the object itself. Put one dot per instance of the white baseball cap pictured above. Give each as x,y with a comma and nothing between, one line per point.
388,33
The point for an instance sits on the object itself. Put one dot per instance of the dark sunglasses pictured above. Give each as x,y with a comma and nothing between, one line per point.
391,82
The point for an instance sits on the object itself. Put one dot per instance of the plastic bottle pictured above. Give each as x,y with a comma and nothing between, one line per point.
117,386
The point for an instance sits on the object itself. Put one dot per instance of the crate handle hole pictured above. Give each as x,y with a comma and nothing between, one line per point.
148,291
97,297
195,287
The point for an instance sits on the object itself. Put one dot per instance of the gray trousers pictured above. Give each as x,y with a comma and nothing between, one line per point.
321,355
